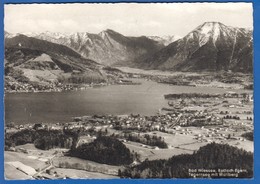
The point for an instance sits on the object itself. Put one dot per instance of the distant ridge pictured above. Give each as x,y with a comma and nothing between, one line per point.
212,46
107,47
42,63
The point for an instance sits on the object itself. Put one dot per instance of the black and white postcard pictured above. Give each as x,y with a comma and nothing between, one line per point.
128,90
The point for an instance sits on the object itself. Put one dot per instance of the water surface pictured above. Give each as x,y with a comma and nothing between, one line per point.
145,99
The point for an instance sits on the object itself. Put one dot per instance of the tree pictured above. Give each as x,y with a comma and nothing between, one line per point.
107,150
211,156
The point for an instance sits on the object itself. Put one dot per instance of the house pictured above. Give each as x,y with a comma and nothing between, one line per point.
38,126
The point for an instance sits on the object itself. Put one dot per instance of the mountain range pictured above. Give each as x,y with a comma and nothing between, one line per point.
20,49
107,47
42,63
212,46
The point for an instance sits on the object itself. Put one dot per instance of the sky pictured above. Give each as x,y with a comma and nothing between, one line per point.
129,19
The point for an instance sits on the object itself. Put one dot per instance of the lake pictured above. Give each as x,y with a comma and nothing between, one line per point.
145,99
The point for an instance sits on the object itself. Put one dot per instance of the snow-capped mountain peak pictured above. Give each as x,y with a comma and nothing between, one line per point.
10,35
211,46
212,31
165,40
106,47
103,34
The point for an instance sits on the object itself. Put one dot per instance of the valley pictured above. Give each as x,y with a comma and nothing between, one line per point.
83,105
55,61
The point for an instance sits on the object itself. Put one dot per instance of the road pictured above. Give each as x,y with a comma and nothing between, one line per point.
38,174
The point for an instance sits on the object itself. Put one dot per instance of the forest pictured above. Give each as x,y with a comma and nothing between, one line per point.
212,156
191,95
82,78
106,150
42,139
249,136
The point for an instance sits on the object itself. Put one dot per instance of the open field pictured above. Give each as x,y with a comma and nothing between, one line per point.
35,152
77,174
246,145
81,164
71,167
12,173
204,79
26,159
154,154
16,164
154,72
37,75
184,141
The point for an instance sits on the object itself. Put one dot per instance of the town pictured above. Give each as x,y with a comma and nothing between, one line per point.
189,122
121,76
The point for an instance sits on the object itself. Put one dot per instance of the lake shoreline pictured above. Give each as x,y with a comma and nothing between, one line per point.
146,99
